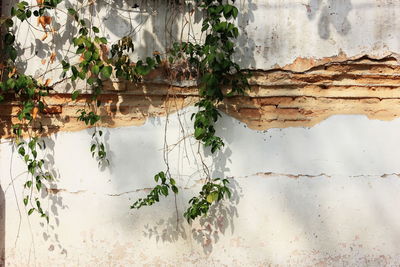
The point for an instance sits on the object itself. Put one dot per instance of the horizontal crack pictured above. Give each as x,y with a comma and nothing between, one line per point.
293,176
259,174
59,190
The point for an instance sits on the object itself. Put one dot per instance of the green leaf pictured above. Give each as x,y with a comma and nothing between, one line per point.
106,71
150,62
235,12
9,23
9,38
103,40
21,151
235,32
227,10
142,69
65,65
74,72
205,27
95,29
75,95
28,184
199,133
38,185
95,56
26,200
12,53
213,196
32,144
30,211
95,69
82,75
71,11
91,80
164,190
174,189
87,55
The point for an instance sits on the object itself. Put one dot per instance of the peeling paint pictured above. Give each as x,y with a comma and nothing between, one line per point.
278,98
326,195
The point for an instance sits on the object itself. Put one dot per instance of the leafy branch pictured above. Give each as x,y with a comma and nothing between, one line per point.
162,189
212,192
219,77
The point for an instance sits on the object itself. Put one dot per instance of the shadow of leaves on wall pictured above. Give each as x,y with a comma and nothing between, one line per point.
207,231
332,12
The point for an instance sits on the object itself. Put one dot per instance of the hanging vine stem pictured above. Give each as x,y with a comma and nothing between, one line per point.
217,71
219,77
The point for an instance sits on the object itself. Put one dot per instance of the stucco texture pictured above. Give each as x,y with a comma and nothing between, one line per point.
311,150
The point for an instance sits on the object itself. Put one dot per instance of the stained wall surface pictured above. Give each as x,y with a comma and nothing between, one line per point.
311,152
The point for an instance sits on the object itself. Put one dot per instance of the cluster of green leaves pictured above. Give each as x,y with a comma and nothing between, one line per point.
122,62
214,61
212,192
37,173
204,121
125,68
219,76
95,68
97,147
29,92
92,68
160,190
89,118
21,11
22,86
218,72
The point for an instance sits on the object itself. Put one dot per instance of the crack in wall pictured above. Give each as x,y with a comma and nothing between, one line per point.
60,190
199,182
292,176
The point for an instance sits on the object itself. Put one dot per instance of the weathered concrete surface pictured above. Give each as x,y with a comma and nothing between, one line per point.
325,196
321,196
278,98
274,33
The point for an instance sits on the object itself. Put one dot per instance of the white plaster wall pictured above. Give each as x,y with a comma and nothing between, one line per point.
273,32
325,195
331,199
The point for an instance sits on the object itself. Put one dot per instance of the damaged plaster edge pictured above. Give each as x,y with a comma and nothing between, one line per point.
298,65
253,124
261,126
79,126
304,64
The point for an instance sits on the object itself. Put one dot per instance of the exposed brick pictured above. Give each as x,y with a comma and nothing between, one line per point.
303,96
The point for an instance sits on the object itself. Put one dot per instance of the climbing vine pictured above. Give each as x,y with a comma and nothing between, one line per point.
218,77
